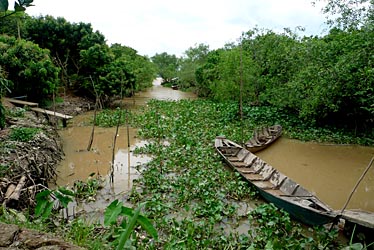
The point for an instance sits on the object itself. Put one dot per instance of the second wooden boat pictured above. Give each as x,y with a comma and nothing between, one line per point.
274,186
263,137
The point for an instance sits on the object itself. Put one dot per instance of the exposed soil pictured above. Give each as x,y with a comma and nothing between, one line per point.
12,237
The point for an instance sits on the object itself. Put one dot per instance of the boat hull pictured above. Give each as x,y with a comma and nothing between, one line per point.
263,138
274,186
298,213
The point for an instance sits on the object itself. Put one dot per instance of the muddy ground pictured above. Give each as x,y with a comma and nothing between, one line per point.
26,167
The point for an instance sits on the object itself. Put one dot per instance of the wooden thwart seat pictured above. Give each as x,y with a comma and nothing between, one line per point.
240,156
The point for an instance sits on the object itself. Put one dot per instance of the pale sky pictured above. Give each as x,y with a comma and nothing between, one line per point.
173,26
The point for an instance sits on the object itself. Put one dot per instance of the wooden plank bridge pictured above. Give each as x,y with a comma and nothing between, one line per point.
34,107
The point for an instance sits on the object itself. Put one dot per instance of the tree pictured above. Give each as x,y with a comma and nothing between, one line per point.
208,73
65,40
141,67
167,66
19,6
347,14
30,70
194,57
116,71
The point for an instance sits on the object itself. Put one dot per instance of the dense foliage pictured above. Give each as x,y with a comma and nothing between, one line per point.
84,63
323,80
29,69
167,66
88,64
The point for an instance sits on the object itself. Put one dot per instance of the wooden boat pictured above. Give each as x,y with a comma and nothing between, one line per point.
274,186
174,86
262,138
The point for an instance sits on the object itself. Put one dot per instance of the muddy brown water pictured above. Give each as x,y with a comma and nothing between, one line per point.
79,163
330,171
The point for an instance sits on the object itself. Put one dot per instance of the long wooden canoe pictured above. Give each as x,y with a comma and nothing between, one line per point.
274,186
263,137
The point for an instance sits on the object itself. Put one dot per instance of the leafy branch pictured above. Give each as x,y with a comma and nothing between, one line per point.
19,6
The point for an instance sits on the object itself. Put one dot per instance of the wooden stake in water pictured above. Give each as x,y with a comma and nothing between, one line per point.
128,150
114,147
94,118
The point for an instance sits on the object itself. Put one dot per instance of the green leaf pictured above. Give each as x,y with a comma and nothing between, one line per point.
354,246
64,199
65,191
18,7
43,194
47,211
127,211
40,207
125,236
4,5
112,212
42,202
143,221
147,226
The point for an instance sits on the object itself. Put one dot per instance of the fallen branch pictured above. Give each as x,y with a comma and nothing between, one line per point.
14,192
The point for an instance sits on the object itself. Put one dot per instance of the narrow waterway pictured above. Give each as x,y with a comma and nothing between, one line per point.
330,171
79,164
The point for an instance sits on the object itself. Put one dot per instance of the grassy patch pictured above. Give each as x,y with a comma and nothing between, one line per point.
23,134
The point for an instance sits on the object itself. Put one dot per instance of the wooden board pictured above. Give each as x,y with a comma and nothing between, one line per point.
360,217
52,113
20,102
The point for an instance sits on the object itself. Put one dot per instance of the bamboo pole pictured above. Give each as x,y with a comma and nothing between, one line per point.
358,183
352,192
115,140
94,118
128,151
114,147
241,93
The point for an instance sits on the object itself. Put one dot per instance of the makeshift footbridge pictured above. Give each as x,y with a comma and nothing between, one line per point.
35,107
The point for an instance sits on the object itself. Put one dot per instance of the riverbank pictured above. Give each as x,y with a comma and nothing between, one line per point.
30,150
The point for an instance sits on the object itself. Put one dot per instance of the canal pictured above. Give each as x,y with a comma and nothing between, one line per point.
329,171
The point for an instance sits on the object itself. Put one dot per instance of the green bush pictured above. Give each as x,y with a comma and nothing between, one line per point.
23,134
30,69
